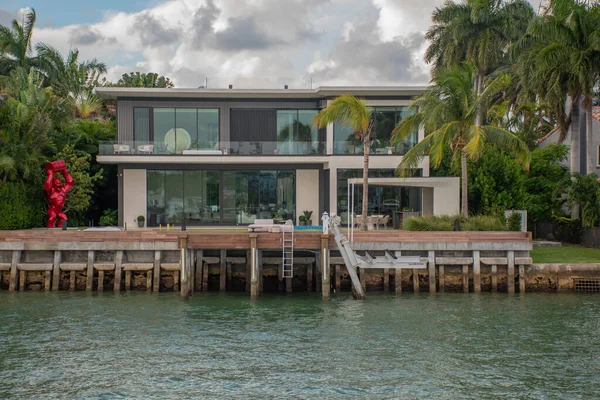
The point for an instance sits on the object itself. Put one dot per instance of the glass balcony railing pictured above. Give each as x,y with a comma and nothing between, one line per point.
208,149
355,147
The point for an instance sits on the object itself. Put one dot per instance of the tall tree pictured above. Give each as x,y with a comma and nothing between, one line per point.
15,44
560,57
447,111
352,111
149,80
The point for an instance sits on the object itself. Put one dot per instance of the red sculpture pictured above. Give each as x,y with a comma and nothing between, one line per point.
56,192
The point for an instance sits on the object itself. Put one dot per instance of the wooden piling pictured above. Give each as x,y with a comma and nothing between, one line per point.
204,276
494,278
363,279
415,277
386,279
254,288
101,281
260,270
47,280
248,270
176,281
431,257
223,271
156,274
228,275
14,277
521,278
149,280
22,280
465,278
398,274
118,270
89,278
325,267
127,281
441,278
309,277
56,270
511,272
199,267
476,271
338,278
72,281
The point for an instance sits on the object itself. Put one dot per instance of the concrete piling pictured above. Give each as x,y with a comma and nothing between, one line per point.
476,271
223,271
441,278
415,276
494,278
56,270
156,275
14,278
431,259
511,272
118,270
465,278
89,281
254,288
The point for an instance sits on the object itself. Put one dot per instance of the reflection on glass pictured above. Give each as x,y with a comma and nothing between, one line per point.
345,141
296,133
164,122
201,197
156,198
308,134
186,127
385,121
174,197
208,129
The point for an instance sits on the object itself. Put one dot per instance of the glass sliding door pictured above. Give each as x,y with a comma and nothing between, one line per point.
308,134
208,128
186,129
201,197
155,198
141,125
164,129
174,197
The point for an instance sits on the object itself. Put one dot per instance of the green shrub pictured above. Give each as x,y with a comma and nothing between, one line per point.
21,206
568,230
109,218
446,223
514,222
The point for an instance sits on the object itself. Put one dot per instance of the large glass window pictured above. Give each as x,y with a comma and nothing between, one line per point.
386,118
198,197
296,133
141,124
179,129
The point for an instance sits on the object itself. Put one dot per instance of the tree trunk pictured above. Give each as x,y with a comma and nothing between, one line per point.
479,90
365,199
464,207
589,136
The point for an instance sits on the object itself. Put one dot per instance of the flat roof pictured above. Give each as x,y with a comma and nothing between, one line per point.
112,93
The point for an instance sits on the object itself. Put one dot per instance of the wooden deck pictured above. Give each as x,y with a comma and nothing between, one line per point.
241,240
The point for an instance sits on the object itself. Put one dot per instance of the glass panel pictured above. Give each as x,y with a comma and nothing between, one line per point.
201,197
287,131
231,206
141,124
286,195
174,197
344,140
156,198
208,129
308,135
164,128
186,128
408,143
385,121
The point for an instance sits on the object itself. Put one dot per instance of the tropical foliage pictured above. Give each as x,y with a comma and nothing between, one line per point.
351,111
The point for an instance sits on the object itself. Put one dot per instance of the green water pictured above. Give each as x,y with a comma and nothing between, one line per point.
445,346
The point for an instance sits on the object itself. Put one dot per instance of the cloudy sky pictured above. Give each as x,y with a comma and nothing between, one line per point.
249,43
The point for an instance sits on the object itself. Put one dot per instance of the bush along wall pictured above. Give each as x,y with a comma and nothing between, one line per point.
21,206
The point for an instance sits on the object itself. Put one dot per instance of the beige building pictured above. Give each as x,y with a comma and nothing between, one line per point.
230,156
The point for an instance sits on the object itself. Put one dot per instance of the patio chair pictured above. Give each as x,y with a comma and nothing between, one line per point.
146,149
121,148
383,221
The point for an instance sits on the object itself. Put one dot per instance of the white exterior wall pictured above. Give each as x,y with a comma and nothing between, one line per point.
134,196
307,193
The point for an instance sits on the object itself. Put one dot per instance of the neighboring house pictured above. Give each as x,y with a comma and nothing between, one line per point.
576,140
229,156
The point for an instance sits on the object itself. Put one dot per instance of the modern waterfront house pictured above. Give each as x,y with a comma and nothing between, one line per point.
230,156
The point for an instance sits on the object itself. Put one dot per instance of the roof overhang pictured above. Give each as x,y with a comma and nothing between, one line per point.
113,93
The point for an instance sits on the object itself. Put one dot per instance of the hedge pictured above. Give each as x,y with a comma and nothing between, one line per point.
21,206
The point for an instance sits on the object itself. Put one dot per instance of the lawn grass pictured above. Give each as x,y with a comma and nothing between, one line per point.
567,253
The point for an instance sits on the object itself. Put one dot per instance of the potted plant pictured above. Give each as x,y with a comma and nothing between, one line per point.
302,220
141,219
307,215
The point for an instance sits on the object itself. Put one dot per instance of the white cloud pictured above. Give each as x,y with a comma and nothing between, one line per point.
259,42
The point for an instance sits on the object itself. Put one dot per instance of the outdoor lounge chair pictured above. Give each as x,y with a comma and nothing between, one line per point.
146,149
382,221
121,148
261,225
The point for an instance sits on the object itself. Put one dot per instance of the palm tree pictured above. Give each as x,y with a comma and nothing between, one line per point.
149,80
447,111
349,110
478,31
15,44
560,57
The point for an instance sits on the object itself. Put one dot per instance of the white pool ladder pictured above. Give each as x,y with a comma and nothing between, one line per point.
287,244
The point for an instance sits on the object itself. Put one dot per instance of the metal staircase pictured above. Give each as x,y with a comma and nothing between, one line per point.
287,244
